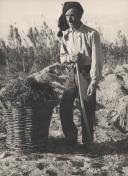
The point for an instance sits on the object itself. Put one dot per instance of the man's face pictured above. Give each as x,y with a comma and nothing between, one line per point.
73,17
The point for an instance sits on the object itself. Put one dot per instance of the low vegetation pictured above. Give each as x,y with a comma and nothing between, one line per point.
39,48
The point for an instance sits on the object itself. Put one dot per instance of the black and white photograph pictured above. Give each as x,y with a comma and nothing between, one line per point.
63,88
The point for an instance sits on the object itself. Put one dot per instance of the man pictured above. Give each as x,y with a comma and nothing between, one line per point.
80,44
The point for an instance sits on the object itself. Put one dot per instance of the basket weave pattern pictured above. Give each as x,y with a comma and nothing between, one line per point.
28,126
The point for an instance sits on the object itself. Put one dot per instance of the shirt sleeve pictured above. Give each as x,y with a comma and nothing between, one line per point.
97,59
64,56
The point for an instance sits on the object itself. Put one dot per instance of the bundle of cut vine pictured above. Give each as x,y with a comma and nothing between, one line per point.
26,90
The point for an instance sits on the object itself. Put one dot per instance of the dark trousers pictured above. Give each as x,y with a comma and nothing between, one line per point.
66,108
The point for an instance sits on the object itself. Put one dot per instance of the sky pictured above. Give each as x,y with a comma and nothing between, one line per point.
110,15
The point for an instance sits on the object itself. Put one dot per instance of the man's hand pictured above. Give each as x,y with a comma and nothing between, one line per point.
74,58
91,89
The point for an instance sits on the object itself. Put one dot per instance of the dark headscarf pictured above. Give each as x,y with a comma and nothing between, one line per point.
72,4
62,23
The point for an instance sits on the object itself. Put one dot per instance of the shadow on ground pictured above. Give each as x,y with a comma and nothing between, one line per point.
59,146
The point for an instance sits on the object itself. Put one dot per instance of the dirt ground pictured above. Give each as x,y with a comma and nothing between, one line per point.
107,156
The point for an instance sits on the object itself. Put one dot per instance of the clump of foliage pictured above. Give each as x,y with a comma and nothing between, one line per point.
27,91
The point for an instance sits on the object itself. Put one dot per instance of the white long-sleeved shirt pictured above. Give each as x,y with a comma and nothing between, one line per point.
86,42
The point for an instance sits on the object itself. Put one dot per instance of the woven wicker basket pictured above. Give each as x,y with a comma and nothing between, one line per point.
28,126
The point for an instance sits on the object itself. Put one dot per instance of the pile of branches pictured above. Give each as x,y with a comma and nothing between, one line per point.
113,95
26,90
55,74
121,72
